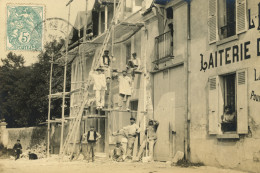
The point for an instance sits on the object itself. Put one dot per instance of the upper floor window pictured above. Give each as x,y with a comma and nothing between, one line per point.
226,18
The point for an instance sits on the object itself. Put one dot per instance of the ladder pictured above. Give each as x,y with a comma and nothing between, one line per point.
74,127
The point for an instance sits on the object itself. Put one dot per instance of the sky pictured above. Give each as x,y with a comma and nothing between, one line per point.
52,8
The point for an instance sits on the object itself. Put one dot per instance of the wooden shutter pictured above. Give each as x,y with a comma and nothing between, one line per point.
212,21
242,107
213,104
241,20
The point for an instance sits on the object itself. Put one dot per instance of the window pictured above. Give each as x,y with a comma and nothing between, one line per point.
134,105
128,51
226,18
228,117
228,103
128,5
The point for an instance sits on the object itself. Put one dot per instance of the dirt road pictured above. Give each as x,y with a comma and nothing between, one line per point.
54,166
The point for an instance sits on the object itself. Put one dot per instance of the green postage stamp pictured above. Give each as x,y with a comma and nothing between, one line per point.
24,27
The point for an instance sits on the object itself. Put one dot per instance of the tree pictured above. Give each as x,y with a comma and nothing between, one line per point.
24,90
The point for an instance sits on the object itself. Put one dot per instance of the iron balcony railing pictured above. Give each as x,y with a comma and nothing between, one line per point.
164,46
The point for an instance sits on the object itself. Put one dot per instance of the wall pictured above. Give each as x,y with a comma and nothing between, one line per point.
242,153
29,137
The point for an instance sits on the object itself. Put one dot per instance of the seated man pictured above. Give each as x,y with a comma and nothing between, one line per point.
118,152
134,63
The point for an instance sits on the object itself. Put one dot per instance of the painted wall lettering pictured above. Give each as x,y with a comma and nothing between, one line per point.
258,47
228,55
255,97
257,76
251,22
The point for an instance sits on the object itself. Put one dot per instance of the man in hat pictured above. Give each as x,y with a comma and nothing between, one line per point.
150,139
91,137
125,90
105,63
131,132
118,152
134,63
99,87
17,149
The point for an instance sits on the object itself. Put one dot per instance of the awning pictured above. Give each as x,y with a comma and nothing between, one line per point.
161,2
123,31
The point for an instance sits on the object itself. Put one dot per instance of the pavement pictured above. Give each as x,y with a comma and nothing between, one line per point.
101,165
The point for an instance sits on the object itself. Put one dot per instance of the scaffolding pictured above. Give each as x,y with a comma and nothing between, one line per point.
81,88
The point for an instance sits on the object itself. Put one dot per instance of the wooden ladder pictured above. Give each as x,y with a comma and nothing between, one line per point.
74,127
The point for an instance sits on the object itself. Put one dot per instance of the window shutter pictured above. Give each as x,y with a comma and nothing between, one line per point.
213,104
212,21
241,23
242,109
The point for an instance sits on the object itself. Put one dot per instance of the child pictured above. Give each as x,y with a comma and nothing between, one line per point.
17,149
118,152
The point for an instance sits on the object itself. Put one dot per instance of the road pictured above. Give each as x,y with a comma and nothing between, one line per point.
105,166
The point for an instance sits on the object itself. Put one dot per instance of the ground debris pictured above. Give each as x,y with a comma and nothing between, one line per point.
187,163
35,152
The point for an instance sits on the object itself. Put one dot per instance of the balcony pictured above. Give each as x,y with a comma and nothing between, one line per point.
163,47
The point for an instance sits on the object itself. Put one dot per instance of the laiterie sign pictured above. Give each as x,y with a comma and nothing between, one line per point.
235,53
229,55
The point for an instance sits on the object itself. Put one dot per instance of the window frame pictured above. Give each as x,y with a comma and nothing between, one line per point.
216,108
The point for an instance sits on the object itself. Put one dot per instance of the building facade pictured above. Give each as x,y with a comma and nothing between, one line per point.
198,57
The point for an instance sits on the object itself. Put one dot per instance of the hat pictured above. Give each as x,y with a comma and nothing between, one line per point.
106,50
134,53
114,70
18,139
118,142
99,69
132,118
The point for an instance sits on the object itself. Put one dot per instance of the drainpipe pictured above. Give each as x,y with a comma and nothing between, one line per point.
188,81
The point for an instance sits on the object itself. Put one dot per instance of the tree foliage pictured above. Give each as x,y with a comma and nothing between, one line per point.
24,90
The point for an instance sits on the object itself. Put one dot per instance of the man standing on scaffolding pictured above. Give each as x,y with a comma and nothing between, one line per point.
105,64
125,90
99,87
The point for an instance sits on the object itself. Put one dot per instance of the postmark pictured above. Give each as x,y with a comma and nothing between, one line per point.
21,21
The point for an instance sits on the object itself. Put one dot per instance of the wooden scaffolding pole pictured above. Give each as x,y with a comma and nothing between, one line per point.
49,108
64,85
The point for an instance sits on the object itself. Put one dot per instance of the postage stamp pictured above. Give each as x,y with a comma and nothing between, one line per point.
21,32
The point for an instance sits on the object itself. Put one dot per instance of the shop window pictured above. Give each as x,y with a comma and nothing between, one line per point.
226,18
228,110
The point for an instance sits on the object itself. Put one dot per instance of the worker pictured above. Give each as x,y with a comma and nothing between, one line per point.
17,149
99,87
134,64
131,132
92,137
118,152
105,64
125,90
150,139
